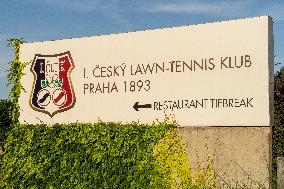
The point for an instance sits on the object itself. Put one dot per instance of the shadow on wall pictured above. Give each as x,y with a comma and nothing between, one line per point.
240,154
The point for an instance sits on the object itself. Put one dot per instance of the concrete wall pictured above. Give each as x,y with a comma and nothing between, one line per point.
241,155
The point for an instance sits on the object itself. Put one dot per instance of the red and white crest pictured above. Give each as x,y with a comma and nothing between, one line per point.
52,91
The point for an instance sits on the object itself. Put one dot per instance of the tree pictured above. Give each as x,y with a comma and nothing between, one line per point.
278,129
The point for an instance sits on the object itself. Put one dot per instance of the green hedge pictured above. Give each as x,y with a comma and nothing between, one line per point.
102,155
5,119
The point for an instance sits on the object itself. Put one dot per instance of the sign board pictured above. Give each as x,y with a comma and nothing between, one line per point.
214,74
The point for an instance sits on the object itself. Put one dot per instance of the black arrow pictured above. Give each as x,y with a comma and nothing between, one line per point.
136,106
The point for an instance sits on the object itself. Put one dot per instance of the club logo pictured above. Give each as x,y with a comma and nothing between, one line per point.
52,91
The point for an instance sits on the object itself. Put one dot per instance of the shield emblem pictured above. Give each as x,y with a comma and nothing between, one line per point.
52,91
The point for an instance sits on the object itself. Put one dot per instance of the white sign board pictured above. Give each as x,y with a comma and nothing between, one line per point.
214,74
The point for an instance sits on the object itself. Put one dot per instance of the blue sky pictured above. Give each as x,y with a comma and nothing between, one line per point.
39,20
